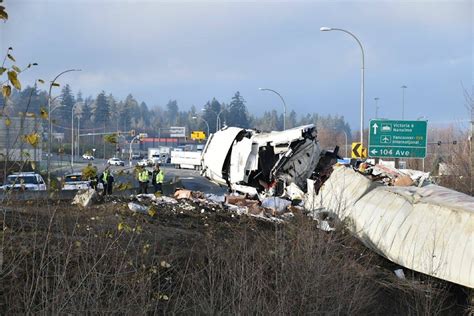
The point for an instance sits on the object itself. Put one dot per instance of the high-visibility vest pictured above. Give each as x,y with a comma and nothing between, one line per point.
105,177
143,176
160,177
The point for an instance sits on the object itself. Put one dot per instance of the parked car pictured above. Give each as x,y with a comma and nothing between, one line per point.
137,156
25,181
144,163
115,162
87,157
74,181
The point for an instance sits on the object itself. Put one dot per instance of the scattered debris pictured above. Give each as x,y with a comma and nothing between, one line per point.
400,274
402,181
277,205
137,208
85,198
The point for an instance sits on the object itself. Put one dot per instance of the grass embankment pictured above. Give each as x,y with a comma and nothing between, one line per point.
196,259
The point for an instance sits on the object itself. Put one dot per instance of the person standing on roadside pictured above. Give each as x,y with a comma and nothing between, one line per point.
157,179
143,178
107,180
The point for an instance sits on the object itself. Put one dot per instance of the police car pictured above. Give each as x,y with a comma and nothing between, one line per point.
74,182
25,181
115,162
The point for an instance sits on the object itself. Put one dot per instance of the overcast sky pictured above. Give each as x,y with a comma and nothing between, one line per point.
193,51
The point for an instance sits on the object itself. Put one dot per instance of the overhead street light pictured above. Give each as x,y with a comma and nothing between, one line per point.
284,104
207,124
326,29
221,111
72,133
50,131
217,117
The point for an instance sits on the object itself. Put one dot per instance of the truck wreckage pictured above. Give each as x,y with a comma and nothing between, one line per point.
265,164
423,227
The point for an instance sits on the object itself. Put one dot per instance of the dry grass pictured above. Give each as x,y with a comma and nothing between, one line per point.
58,259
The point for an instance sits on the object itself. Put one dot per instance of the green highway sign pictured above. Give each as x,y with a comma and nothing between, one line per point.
397,139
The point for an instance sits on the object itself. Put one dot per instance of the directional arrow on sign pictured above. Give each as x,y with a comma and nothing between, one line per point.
375,126
373,151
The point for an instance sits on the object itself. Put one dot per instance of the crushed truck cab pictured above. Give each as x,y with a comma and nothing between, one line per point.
255,162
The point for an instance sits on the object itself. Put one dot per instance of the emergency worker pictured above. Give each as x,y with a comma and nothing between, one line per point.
143,178
107,180
157,179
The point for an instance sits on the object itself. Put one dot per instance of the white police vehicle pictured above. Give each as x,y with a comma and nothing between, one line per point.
115,162
144,163
25,181
74,181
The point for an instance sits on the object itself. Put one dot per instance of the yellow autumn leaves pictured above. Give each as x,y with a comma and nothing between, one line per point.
33,139
111,138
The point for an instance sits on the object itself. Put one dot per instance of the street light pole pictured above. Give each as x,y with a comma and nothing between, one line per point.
72,134
130,150
345,134
50,131
284,104
403,101
217,117
325,29
376,107
207,124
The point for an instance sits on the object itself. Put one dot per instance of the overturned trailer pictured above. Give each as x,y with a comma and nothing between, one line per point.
429,229
264,163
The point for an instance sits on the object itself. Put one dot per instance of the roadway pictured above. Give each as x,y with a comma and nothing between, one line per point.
190,179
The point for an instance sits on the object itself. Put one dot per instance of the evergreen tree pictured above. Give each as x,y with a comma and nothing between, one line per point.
79,97
86,115
128,113
172,110
291,120
211,110
145,115
67,102
237,112
114,113
101,110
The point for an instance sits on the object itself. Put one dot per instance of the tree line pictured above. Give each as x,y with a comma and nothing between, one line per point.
106,113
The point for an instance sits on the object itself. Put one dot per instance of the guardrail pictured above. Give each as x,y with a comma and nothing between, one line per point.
168,189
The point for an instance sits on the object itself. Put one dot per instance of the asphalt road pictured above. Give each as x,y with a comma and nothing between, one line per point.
190,179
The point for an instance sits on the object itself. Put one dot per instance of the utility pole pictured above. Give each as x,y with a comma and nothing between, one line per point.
403,101
472,146
376,107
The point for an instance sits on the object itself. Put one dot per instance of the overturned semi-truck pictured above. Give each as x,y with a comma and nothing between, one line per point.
264,163
426,228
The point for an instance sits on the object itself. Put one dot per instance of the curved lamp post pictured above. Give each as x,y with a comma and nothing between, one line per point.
50,130
282,100
403,101
222,111
72,133
326,29
207,124
217,118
